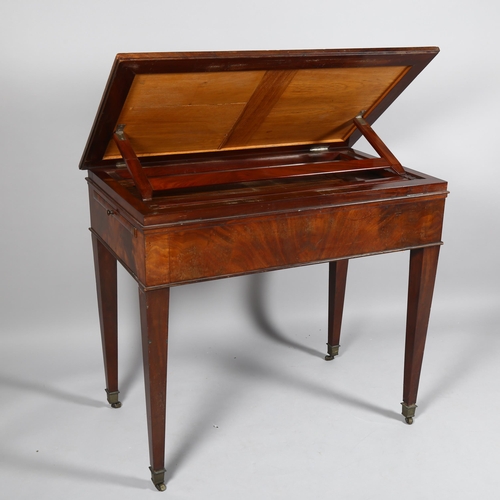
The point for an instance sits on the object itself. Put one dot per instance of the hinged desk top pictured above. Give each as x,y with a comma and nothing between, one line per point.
198,120
185,103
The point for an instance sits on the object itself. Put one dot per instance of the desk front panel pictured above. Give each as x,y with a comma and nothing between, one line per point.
235,247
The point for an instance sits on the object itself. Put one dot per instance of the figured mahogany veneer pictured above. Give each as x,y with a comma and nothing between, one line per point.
208,165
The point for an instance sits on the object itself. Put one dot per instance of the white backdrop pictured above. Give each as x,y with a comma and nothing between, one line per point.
55,60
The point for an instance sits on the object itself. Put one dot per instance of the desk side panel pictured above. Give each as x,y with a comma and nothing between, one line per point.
119,233
193,253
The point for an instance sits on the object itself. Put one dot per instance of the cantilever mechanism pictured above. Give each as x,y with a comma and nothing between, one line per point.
133,164
377,144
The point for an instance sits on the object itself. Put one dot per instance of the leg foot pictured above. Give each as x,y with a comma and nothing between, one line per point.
408,412
332,350
158,478
113,399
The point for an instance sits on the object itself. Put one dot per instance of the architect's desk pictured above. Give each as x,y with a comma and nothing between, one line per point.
208,165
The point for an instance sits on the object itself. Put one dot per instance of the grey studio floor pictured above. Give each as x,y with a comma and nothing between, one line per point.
253,409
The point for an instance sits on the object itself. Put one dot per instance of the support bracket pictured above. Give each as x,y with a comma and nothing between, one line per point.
377,144
133,164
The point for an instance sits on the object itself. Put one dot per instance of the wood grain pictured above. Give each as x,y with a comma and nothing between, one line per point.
264,98
106,282
423,268
284,240
168,113
195,112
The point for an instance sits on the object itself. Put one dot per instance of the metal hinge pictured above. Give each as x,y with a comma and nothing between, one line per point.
119,132
318,149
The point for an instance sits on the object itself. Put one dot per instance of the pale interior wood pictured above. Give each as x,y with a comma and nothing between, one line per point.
197,112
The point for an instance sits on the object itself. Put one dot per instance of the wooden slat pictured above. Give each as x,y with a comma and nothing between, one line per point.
262,173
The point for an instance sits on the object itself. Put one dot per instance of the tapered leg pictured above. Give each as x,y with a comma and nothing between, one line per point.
105,272
154,324
336,294
423,267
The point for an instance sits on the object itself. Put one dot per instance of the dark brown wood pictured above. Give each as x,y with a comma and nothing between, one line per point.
177,175
423,268
262,173
377,144
154,305
336,294
106,281
133,165
270,181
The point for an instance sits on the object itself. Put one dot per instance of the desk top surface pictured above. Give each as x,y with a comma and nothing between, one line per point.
216,102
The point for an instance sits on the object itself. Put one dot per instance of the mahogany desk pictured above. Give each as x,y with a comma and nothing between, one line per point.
207,165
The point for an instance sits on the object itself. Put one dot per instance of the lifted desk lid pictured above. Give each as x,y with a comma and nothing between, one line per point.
171,103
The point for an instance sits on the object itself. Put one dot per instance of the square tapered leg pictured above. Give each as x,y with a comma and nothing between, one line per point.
106,282
423,267
154,305
336,293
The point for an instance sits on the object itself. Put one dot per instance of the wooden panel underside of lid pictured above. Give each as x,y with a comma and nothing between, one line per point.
195,112
320,104
183,112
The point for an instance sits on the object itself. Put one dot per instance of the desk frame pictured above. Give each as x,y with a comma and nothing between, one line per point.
406,220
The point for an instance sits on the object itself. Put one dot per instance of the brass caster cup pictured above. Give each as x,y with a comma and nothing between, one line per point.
408,412
332,350
113,399
158,478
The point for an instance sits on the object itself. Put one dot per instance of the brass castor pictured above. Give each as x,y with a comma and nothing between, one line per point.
408,412
113,399
332,350
158,478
